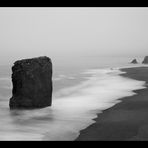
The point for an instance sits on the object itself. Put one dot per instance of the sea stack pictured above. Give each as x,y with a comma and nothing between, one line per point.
145,61
32,83
134,61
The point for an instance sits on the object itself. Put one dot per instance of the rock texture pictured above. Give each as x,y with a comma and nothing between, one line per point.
145,61
134,61
32,83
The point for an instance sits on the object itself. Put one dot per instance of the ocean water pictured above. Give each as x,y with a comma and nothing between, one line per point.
82,88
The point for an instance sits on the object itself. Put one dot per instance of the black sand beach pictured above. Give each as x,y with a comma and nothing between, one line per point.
126,121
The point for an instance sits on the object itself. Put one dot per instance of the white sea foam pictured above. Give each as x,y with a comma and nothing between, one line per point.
101,91
60,77
73,109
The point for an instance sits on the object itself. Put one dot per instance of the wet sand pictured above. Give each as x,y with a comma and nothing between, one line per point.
126,121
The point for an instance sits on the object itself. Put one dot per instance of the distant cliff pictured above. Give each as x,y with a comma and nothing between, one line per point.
32,83
134,61
145,61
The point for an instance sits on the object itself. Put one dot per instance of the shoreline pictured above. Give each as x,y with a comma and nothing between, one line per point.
125,121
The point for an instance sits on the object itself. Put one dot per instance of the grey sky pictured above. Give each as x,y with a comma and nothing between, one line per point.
55,32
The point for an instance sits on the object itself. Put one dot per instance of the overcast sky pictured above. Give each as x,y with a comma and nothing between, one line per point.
55,32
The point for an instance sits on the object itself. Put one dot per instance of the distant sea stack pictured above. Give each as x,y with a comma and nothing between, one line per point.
145,61
134,61
32,83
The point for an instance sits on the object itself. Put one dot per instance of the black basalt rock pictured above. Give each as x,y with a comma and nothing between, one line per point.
145,61
134,61
32,83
